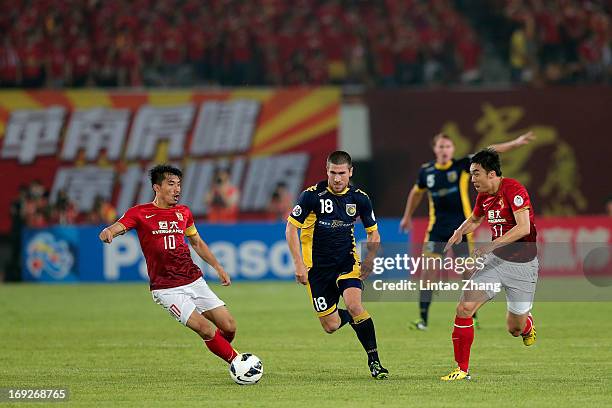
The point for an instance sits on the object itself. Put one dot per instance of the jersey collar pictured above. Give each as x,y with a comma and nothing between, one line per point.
343,192
446,166
161,208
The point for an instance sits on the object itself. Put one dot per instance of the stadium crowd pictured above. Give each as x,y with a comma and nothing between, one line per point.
33,208
273,42
560,41
231,42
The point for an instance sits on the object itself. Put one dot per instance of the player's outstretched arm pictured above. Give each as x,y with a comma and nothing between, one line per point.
200,247
513,144
111,232
293,241
414,199
468,226
521,229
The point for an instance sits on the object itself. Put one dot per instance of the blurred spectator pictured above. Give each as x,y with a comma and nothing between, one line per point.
384,60
55,65
106,73
241,59
102,212
37,190
63,211
281,202
334,44
33,74
129,64
520,56
10,64
13,264
38,213
317,69
357,64
171,55
222,199
80,62
468,56
408,52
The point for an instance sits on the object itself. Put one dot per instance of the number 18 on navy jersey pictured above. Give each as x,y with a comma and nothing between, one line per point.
327,221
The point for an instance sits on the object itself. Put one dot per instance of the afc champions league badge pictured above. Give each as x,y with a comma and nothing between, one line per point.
179,216
518,201
351,209
297,211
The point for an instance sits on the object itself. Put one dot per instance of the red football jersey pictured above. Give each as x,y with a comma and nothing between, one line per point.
161,232
499,209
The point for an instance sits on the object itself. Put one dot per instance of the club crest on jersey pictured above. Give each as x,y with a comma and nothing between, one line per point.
163,225
351,209
518,200
451,176
179,216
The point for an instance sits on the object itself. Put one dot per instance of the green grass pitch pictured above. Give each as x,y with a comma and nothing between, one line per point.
112,346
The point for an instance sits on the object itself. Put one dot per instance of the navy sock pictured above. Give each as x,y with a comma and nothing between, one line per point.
424,302
367,337
345,317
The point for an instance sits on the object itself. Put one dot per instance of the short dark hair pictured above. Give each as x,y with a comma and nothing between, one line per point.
340,157
159,172
489,160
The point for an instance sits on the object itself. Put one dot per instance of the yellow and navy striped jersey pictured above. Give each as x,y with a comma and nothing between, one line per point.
447,188
327,221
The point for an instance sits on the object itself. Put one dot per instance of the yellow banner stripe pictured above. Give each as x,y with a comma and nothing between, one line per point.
170,98
84,99
167,98
261,95
13,100
161,156
302,136
316,101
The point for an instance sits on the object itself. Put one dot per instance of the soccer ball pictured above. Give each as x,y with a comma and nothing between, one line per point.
246,369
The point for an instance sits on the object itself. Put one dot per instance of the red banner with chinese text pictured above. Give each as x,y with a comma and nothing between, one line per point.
96,143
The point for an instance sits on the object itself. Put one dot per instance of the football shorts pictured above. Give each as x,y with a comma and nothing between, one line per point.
325,286
518,279
181,301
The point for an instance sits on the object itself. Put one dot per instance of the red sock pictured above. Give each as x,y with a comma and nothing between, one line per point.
528,325
463,336
221,347
227,336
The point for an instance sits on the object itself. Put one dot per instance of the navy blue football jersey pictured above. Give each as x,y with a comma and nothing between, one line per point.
447,188
327,221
